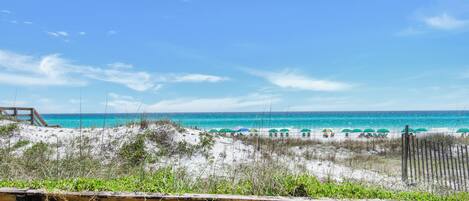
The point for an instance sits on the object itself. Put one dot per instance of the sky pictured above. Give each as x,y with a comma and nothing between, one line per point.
228,56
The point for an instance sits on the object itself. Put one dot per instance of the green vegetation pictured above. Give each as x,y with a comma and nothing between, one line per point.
20,143
169,181
133,153
8,130
134,163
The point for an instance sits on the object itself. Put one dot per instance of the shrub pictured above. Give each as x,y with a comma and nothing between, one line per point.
8,130
133,153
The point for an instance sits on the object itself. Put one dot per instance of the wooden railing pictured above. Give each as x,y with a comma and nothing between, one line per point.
24,114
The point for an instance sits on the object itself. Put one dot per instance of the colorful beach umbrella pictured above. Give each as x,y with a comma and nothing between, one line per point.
346,130
369,130
383,130
357,130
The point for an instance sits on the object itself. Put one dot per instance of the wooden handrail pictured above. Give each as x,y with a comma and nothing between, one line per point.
34,117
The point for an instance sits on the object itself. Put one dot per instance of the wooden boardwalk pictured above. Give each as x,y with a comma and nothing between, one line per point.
24,114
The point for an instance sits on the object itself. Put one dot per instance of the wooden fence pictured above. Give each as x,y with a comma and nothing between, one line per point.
24,114
435,164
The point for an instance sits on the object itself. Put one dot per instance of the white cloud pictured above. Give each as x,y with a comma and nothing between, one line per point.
27,22
120,65
290,79
251,102
111,32
54,70
199,78
57,34
445,22
62,33
81,33
5,11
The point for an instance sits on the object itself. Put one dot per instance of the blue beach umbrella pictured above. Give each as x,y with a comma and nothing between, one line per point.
243,130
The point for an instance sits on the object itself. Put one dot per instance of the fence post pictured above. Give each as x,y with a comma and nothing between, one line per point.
419,172
404,150
453,175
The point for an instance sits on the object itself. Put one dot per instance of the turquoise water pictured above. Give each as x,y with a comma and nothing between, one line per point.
392,120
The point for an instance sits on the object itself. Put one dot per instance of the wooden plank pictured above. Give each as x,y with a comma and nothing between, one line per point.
10,195
36,114
17,108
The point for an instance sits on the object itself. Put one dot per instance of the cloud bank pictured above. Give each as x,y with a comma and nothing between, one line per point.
290,79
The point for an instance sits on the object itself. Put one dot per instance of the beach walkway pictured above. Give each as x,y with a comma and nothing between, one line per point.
24,114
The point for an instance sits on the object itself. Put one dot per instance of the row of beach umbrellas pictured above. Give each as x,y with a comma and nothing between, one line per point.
304,130
346,130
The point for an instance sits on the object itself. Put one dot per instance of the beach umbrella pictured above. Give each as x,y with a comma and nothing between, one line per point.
463,130
357,130
346,130
273,130
305,131
213,131
284,130
369,130
226,130
418,130
410,130
253,131
383,130
327,130
243,130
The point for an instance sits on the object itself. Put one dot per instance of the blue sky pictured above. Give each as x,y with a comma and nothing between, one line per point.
214,55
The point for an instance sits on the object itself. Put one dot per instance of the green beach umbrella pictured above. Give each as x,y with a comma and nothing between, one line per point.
284,130
383,130
253,130
463,130
421,130
273,130
213,131
305,130
410,130
357,130
226,130
346,130
369,130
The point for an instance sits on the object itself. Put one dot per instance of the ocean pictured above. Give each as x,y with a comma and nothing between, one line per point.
312,120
